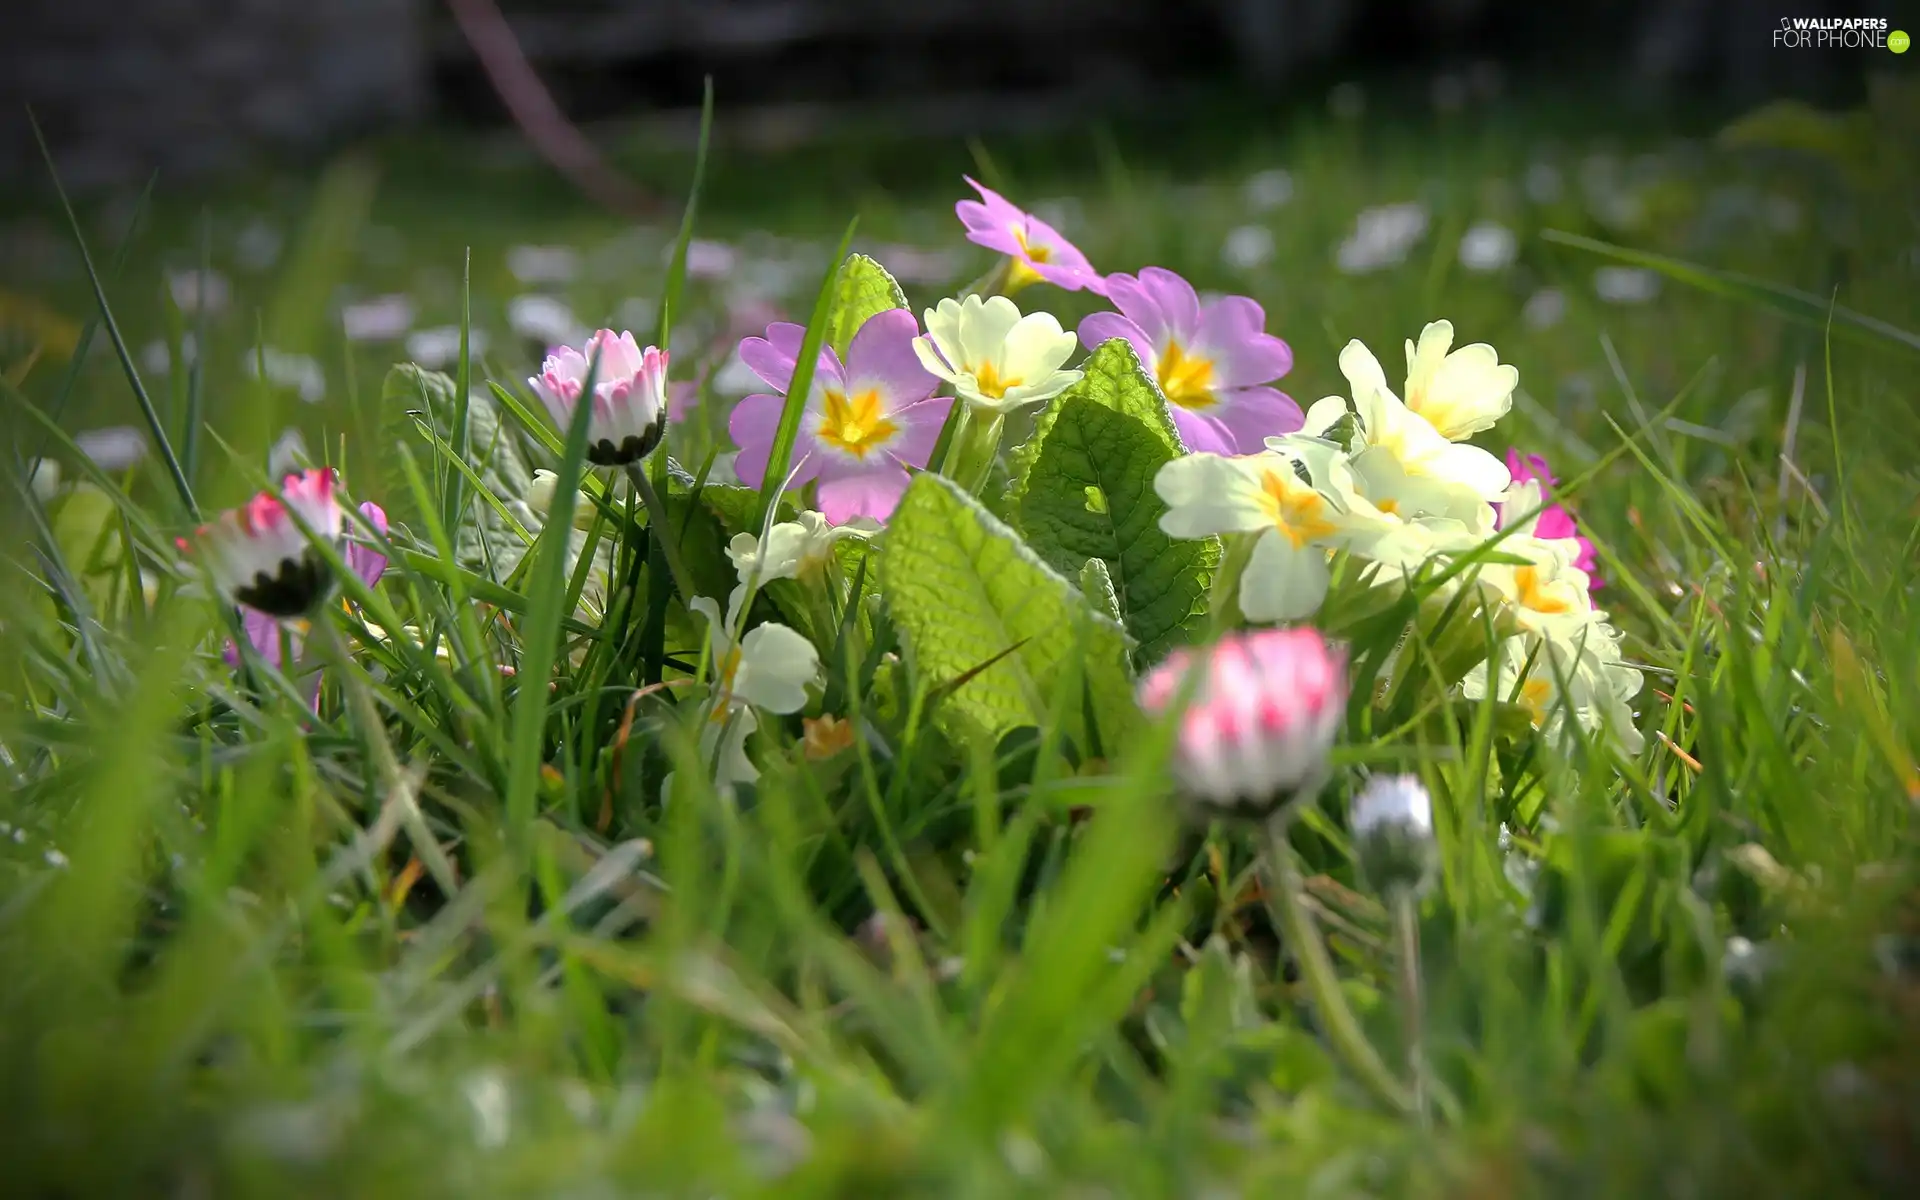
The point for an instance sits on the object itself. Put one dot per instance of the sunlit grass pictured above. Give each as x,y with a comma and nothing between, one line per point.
228,969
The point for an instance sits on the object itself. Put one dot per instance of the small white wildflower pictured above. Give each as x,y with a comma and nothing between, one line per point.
1382,237
114,448
709,259
1626,285
157,359
382,319
1488,246
55,859
1268,190
439,346
258,245
286,369
1544,309
544,319
1247,247
194,291
543,264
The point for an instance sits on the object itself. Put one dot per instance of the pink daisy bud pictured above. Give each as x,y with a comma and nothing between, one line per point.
258,555
629,395
1263,715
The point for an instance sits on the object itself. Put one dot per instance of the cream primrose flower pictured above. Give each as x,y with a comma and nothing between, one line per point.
1295,521
1462,393
768,668
1404,465
995,358
1547,594
799,549
1550,679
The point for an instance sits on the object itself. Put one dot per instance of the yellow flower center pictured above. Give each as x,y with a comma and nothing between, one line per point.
1187,379
1039,254
1534,695
1390,507
1295,509
856,424
1541,595
986,377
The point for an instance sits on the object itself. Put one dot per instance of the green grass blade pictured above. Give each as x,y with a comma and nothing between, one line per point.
155,426
780,458
546,612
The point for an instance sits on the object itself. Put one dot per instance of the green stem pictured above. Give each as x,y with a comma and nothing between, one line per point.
386,767
1316,968
974,449
661,530
1223,596
1406,936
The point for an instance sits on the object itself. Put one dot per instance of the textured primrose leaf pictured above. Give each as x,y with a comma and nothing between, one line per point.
863,290
963,588
1083,488
1097,586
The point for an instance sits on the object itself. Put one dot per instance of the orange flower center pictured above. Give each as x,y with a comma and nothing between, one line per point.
1534,695
987,378
855,424
1295,509
1541,595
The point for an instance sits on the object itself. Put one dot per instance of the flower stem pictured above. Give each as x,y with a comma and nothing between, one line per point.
974,447
660,529
1223,596
1316,968
1406,936
394,782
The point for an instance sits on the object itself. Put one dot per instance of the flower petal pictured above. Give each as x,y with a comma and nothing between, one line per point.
1208,494
871,489
882,356
1177,302
1233,334
1249,416
1283,582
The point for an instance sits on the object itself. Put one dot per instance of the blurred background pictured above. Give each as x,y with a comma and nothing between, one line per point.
281,198
125,87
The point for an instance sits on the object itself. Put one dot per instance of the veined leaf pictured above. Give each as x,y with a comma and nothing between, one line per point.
1083,488
863,290
963,588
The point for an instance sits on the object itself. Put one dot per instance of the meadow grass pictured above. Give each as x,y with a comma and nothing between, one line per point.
253,947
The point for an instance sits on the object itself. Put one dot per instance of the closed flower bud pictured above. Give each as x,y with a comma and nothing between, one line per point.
1392,821
629,395
1261,720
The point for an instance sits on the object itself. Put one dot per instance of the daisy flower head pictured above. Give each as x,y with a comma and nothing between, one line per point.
264,631
259,556
1212,361
866,420
995,358
629,401
1035,250
1297,503
1260,722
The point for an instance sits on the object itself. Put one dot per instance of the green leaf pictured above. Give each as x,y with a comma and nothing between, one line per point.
1097,586
413,385
1083,489
863,290
963,588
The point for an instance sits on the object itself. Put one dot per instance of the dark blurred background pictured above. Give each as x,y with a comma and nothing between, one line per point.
195,87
